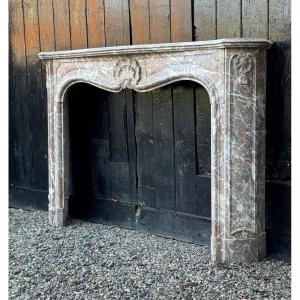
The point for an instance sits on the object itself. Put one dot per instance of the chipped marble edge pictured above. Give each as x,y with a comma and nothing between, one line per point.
158,48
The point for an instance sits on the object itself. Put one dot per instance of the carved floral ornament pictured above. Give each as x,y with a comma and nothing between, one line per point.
242,65
127,71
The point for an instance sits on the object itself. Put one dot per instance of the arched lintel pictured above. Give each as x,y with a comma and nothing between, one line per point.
156,81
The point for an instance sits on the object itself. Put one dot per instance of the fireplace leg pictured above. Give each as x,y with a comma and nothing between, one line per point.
57,216
58,162
238,161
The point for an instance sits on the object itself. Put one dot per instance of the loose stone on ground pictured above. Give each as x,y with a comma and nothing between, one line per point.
94,261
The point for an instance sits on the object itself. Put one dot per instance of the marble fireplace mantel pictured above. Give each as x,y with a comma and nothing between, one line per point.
233,71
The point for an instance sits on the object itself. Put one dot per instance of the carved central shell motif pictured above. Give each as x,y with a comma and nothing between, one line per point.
127,71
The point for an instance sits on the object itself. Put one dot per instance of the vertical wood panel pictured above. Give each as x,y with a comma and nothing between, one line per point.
100,168
95,23
120,187
181,20
159,21
203,131
119,181
145,148
16,33
19,126
162,113
62,24
139,13
205,19
32,38
99,129
131,145
47,43
228,18
164,148
117,127
117,22
279,20
78,24
278,106
36,101
255,18
205,29
183,118
117,32
46,25
143,107
184,141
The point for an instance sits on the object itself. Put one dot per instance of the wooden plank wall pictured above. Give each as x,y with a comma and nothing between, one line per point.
46,25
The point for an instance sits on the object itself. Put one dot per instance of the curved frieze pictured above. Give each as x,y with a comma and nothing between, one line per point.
127,74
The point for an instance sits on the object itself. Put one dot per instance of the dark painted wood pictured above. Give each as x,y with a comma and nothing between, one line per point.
144,134
27,198
164,148
118,127
278,214
119,181
184,148
185,227
119,166
99,119
131,145
203,202
19,143
278,112
37,116
100,168
165,223
203,127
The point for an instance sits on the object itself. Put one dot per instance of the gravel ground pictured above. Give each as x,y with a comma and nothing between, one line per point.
94,261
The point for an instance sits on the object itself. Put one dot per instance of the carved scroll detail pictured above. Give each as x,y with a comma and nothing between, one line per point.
127,71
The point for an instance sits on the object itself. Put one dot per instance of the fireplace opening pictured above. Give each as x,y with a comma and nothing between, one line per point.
142,160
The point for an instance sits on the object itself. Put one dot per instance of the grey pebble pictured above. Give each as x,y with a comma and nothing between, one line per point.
93,261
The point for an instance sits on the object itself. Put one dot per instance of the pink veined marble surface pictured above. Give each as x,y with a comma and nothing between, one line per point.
233,71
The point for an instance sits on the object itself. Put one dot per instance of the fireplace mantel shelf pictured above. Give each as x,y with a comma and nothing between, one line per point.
233,71
158,48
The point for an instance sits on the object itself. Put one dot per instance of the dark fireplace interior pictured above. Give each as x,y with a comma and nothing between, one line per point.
142,160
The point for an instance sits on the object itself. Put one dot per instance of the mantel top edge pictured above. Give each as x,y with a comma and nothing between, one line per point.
158,48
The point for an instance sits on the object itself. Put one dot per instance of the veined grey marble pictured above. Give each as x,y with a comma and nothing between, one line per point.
233,71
